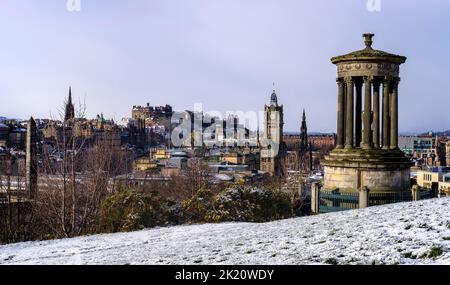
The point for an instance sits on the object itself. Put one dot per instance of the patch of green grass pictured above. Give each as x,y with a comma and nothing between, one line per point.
446,238
331,261
435,251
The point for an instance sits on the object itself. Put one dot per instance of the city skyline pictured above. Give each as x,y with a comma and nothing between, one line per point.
223,55
224,132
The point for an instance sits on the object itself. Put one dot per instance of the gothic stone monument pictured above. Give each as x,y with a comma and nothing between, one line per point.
367,157
31,159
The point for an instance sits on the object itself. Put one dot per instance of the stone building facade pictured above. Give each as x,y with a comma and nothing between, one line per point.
144,116
318,141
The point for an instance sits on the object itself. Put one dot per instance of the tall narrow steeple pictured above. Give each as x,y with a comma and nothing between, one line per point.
258,144
303,135
69,111
69,100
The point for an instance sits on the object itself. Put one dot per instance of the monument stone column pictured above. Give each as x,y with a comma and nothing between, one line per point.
341,115
394,114
367,142
358,109
376,113
349,114
386,119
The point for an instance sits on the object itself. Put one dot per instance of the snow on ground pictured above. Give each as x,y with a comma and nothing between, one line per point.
393,234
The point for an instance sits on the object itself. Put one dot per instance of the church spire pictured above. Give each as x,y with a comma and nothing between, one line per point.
303,135
258,144
70,95
69,111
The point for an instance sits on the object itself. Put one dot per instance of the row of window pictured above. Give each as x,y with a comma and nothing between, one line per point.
427,177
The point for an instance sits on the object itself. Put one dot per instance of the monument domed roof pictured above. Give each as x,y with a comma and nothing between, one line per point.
369,53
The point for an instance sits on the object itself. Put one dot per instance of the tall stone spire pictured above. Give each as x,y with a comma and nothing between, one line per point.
258,144
69,111
31,160
303,135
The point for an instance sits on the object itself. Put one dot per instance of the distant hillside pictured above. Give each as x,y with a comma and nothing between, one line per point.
444,133
6,118
405,233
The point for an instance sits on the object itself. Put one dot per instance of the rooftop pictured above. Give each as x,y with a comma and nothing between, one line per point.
368,53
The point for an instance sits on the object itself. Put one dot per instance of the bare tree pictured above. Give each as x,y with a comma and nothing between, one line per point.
75,177
197,176
191,179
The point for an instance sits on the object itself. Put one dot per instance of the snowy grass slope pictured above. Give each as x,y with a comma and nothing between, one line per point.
393,234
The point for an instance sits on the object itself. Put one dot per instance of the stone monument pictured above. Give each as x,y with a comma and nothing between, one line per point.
31,165
367,156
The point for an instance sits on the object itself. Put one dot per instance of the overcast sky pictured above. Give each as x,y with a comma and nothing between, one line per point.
223,53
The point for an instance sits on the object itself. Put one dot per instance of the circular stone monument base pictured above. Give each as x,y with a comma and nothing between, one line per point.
380,170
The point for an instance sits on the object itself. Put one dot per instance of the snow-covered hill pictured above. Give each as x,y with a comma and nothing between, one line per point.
403,233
